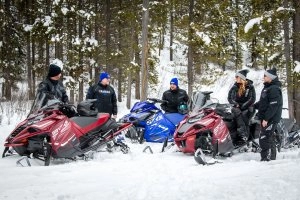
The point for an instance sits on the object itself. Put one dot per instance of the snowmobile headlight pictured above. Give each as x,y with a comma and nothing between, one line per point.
198,126
33,130
35,120
195,118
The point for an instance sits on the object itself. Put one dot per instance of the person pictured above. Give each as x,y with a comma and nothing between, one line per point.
105,95
51,87
269,113
175,98
242,95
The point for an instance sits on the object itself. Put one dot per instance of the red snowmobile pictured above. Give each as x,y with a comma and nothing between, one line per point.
56,130
205,130
209,129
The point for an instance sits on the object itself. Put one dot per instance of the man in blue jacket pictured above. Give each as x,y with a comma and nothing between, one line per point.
269,112
105,95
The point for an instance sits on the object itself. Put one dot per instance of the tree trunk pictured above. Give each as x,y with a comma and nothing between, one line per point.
120,83
120,71
80,64
296,57
254,53
287,50
128,96
190,51
6,72
137,71
107,35
33,58
171,30
47,60
97,37
237,22
28,56
29,67
129,80
144,70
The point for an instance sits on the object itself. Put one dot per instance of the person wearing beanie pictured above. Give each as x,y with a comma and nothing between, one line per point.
51,87
269,113
104,75
242,96
175,98
105,95
54,71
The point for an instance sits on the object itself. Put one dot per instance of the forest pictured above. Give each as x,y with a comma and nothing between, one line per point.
125,37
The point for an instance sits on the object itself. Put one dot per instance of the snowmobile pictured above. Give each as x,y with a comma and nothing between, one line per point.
210,129
288,134
151,124
56,130
205,130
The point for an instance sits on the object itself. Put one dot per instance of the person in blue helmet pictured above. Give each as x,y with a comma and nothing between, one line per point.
175,98
105,95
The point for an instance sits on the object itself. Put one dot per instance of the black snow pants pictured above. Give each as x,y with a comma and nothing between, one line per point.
267,142
242,123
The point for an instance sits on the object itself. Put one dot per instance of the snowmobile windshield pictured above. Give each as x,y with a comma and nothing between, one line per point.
198,100
201,100
42,100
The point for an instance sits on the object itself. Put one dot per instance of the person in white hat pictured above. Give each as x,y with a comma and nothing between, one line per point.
269,113
242,96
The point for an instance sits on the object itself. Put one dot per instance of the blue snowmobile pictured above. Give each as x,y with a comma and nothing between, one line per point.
151,123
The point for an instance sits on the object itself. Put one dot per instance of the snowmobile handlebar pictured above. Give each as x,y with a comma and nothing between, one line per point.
155,100
66,108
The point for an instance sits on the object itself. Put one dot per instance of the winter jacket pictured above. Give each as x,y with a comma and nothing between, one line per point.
244,101
174,98
52,88
106,98
270,102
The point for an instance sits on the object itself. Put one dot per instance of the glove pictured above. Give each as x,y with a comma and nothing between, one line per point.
243,107
236,105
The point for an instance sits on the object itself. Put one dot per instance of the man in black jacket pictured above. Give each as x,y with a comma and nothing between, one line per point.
269,112
175,97
52,87
105,95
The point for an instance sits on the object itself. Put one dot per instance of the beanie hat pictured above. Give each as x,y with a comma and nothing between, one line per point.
242,74
271,73
54,70
174,81
104,75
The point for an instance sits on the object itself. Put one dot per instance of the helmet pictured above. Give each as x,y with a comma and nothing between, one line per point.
183,108
87,108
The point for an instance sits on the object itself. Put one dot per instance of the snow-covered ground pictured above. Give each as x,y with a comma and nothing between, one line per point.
137,175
